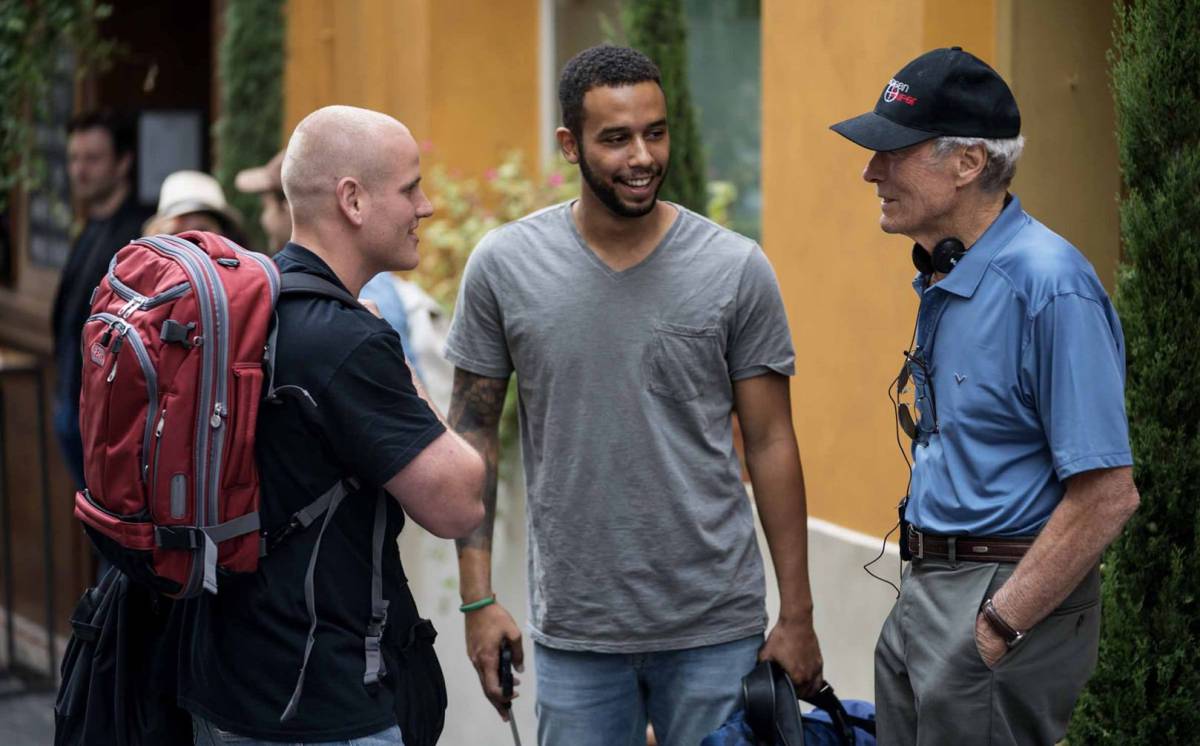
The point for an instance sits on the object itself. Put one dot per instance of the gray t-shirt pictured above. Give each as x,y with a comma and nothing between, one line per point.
641,535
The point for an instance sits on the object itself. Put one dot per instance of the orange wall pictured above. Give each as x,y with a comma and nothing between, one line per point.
462,75
1069,177
846,284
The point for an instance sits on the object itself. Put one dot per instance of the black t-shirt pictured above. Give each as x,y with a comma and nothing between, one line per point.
242,648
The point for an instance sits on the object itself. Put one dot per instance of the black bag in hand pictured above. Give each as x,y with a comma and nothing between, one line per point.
773,713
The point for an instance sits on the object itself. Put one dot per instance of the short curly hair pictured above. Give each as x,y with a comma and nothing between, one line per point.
603,65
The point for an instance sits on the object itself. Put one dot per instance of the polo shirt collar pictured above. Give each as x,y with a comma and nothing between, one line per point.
310,261
967,274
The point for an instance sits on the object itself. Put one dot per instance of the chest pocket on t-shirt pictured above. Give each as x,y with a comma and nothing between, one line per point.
682,362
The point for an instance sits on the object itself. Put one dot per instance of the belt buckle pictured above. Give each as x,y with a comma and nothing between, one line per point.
920,552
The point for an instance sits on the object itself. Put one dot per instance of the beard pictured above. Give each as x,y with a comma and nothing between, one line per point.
607,194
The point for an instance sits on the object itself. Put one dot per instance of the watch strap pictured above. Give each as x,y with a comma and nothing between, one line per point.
1007,632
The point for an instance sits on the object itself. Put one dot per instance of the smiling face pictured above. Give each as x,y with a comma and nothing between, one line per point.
917,188
397,205
623,148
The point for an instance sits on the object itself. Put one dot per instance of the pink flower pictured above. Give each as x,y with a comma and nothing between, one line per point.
490,174
555,179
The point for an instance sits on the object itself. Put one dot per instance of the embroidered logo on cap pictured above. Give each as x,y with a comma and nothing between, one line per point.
897,91
96,353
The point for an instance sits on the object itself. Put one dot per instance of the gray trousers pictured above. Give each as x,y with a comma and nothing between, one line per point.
931,686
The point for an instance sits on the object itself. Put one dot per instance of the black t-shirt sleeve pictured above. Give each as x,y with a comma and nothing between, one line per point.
371,414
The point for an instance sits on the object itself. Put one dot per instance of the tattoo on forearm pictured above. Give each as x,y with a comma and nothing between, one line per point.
476,404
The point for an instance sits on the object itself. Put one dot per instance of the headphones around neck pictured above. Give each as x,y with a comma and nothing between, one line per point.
948,253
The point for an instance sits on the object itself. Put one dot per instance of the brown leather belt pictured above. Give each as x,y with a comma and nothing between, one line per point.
967,548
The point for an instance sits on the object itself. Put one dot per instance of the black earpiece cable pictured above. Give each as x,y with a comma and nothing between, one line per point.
895,400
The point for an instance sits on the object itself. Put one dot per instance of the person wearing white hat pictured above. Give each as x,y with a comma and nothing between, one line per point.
194,201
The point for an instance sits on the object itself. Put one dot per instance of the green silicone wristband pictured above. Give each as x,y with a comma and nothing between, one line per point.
476,605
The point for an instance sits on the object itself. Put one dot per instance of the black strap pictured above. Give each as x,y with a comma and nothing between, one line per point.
303,283
298,283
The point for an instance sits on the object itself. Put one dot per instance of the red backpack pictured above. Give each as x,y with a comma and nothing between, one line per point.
173,367
178,353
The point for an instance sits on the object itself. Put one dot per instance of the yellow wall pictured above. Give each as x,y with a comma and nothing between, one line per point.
462,75
1068,177
844,282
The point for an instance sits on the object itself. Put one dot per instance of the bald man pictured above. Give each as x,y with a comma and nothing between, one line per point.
256,664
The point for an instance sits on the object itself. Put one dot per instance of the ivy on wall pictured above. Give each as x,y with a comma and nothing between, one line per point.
250,70
33,34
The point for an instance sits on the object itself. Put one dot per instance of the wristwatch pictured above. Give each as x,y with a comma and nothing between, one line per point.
1012,637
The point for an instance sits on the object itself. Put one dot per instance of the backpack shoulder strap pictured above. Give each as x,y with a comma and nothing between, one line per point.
299,283
303,283
374,666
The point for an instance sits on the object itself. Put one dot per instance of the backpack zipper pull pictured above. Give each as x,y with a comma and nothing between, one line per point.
158,431
116,347
218,413
134,304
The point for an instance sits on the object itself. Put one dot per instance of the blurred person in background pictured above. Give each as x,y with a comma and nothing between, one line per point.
100,148
267,182
194,201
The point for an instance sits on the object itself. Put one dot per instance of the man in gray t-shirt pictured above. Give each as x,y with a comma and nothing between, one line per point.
636,327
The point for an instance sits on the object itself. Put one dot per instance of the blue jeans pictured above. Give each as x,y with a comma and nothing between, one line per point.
605,699
207,734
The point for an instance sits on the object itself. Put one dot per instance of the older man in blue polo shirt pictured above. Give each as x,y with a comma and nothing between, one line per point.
1021,462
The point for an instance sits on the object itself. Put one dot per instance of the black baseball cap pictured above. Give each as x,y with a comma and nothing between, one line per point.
946,92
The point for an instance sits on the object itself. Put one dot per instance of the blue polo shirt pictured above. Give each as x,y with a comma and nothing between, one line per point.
1027,362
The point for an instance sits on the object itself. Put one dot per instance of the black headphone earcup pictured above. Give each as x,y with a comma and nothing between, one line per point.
921,260
947,254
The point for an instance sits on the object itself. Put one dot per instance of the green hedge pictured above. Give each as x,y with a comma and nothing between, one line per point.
1147,684
657,29
250,66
